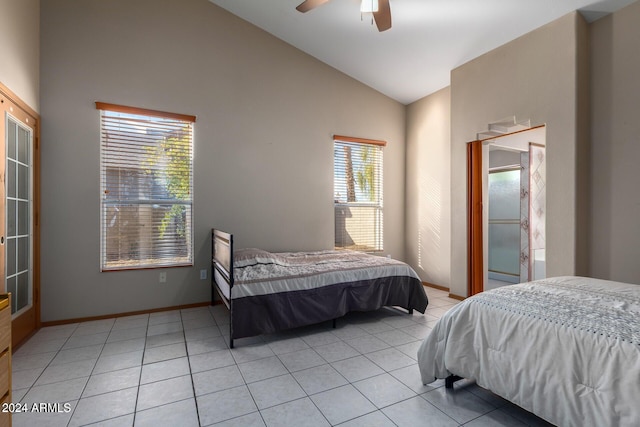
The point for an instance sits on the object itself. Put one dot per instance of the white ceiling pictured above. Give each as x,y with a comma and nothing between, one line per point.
428,39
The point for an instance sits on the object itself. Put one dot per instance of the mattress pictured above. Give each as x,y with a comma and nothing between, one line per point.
566,348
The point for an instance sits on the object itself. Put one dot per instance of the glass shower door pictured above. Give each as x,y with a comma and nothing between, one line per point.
504,225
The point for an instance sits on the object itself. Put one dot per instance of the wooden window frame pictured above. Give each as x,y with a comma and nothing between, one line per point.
151,200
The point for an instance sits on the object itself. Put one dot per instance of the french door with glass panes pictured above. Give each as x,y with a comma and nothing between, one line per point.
18,237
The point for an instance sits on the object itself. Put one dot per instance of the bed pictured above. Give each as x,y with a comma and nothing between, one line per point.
269,292
566,349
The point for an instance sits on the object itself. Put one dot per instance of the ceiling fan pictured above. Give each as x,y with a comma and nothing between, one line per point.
380,9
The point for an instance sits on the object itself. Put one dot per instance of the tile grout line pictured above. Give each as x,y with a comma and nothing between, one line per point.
193,386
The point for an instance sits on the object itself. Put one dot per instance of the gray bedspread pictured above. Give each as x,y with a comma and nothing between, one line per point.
276,291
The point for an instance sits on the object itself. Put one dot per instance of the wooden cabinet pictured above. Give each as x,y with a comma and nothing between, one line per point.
5,357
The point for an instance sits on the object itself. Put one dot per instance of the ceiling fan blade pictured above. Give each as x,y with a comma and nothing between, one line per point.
307,5
383,15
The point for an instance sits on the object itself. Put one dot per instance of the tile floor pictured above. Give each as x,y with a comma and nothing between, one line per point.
174,369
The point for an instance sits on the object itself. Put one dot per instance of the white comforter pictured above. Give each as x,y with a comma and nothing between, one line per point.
566,348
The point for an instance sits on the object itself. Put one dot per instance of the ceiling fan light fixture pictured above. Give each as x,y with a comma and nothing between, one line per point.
369,6
379,10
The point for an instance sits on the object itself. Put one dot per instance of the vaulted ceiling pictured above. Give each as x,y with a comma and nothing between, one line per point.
427,40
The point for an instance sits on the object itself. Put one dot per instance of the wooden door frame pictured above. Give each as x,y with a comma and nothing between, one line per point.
9,102
475,245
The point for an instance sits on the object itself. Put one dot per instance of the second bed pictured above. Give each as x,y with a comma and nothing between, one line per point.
268,292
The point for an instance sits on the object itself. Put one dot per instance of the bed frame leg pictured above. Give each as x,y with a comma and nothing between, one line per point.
230,331
230,323
334,323
448,382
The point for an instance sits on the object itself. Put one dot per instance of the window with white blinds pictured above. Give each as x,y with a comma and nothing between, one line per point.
358,181
146,178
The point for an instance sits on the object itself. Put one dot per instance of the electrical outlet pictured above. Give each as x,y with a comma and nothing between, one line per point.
203,274
163,277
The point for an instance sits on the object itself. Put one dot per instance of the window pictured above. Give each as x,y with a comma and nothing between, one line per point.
146,178
357,177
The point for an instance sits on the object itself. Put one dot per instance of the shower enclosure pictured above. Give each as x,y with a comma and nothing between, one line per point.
517,215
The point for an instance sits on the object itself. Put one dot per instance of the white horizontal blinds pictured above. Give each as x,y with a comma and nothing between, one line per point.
358,205
147,188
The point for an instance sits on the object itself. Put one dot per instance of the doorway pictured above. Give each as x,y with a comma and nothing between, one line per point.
507,209
19,213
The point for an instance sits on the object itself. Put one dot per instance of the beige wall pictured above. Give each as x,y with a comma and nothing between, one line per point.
263,154
20,49
615,180
428,209
582,81
538,77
